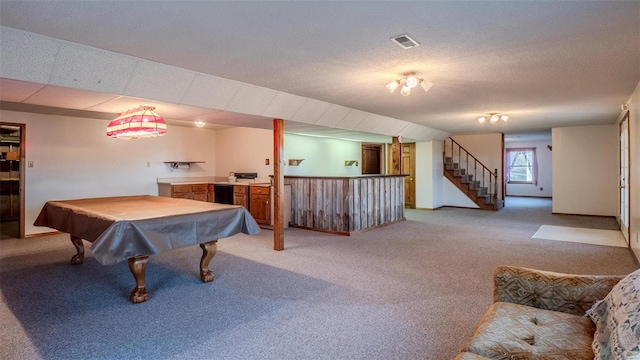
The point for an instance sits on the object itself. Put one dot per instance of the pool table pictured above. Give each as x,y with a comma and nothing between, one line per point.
134,227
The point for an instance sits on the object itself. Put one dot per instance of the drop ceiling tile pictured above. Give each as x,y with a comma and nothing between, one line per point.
390,126
284,106
332,116
87,68
250,99
353,118
62,97
311,111
417,132
369,122
122,103
410,131
183,111
26,56
157,81
210,92
17,91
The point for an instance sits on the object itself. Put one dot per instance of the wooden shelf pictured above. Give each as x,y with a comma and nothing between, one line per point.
176,164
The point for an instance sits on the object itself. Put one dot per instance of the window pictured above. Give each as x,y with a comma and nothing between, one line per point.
521,166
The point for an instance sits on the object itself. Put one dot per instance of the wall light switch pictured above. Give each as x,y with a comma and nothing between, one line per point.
266,161
30,164
148,164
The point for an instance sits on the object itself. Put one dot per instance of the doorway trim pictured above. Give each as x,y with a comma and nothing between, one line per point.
21,180
624,183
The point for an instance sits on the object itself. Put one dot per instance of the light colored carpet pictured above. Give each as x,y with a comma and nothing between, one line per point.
581,235
413,290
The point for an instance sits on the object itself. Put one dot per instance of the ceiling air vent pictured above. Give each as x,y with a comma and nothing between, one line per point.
405,41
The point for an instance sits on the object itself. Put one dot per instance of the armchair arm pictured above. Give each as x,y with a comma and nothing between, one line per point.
569,293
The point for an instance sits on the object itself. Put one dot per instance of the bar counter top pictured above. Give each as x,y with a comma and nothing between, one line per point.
366,176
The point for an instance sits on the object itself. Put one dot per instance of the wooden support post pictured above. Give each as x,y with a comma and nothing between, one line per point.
396,155
278,184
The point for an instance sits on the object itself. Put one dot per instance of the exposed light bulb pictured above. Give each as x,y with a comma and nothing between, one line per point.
494,118
392,86
200,123
405,91
411,81
504,117
482,119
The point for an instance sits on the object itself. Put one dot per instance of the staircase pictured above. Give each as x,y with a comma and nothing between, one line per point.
471,176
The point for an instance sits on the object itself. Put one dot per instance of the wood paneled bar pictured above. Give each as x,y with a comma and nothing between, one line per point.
345,205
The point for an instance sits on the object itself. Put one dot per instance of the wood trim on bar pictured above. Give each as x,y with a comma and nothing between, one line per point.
278,184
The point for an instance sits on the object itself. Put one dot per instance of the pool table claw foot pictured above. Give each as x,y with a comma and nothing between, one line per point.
78,258
138,267
138,296
208,251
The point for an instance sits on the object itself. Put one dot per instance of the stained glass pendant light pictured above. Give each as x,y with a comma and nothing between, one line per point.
137,123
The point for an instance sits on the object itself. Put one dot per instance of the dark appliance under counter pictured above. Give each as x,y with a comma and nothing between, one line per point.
224,193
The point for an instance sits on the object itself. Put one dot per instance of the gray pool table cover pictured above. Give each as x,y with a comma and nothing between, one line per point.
129,226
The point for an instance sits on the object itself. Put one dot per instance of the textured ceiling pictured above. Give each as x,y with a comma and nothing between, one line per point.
546,63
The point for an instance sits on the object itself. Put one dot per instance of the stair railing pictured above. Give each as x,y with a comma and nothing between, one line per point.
488,178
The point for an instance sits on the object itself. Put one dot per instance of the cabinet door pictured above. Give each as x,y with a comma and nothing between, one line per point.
260,209
240,199
181,195
200,196
181,191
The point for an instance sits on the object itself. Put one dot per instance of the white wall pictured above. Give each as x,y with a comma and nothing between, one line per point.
545,183
245,150
429,178
634,149
242,149
322,156
585,170
73,158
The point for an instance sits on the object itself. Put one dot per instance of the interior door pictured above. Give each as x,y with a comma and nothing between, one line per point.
409,168
624,177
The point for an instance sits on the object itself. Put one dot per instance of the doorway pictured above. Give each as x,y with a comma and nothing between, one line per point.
409,169
372,158
12,139
624,177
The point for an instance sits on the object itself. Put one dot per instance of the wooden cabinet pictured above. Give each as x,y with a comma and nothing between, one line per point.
240,195
198,192
260,204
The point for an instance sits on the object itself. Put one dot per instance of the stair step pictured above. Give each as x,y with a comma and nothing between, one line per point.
459,172
466,179
468,184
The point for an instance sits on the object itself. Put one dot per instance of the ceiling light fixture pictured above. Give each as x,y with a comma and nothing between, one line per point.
200,123
493,118
137,123
408,82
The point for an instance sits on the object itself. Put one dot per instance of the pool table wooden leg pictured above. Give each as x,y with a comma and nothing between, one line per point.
138,267
78,258
208,251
